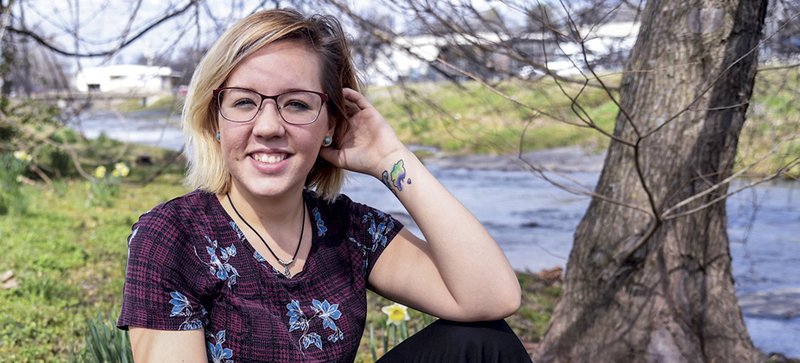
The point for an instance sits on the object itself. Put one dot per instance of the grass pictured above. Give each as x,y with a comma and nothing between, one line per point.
773,124
474,119
69,261
163,103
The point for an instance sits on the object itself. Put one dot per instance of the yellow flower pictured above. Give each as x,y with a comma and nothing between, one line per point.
396,313
100,172
22,155
120,170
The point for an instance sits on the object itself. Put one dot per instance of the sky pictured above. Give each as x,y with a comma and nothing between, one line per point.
100,22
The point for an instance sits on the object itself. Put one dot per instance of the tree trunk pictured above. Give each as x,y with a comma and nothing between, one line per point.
646,282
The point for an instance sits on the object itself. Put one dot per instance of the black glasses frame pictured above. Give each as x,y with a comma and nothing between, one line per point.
218,91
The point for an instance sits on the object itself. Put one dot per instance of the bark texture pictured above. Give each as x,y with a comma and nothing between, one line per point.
643,285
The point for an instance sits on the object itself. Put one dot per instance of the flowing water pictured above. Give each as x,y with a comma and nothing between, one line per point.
534,221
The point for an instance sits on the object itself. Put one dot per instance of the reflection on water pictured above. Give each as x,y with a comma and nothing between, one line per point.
143,130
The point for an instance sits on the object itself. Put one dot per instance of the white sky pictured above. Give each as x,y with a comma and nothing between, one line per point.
102,21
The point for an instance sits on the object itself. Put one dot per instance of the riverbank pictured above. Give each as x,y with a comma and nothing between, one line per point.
569,159
435,115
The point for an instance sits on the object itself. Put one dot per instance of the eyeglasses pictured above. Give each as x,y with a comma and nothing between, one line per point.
298,107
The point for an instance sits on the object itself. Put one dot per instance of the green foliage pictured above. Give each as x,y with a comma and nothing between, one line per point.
380,336
165,103
105,343
773,124
477,119
105,187
11,196
69,262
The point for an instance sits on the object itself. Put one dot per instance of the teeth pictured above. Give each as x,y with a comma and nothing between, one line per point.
269,158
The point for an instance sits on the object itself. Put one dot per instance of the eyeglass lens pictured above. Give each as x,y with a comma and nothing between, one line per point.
297,107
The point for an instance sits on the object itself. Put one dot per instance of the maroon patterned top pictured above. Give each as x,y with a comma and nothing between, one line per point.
190,267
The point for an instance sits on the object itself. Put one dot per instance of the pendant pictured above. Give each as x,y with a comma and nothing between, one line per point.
286,271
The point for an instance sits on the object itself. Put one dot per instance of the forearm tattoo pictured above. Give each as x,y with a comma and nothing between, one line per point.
395,178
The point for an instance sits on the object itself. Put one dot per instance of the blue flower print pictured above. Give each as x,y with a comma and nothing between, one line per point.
297,320
258,257
321,229
182,307
336,336
194,324
180,304
362,248
219,265
378,227
236,229
325,311
216,352
312,338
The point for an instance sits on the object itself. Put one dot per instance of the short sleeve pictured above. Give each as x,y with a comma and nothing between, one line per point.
370,230
164,279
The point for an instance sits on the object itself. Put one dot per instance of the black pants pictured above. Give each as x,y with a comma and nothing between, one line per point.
449,341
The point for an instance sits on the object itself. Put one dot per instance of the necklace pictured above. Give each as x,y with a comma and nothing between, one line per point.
283,263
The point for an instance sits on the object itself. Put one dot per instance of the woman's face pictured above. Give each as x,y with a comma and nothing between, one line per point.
268,157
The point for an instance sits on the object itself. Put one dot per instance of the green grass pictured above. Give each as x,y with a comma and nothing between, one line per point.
773,123
164,103
476,119
69,261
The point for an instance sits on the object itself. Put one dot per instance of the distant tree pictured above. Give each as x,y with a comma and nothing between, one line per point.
784,21
184,62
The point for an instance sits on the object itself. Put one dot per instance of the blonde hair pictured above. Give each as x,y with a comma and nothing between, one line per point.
321,33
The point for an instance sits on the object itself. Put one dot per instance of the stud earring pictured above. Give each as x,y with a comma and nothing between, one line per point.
327,141
218,136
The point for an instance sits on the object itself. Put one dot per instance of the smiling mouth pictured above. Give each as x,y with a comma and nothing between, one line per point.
269,158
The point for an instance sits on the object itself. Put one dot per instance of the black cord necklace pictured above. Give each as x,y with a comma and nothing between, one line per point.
283,263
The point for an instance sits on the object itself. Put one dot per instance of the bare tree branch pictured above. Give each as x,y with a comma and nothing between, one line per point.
124,43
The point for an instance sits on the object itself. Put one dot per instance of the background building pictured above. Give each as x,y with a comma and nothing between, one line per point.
125,78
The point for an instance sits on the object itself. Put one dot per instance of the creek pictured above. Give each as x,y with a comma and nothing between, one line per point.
533,220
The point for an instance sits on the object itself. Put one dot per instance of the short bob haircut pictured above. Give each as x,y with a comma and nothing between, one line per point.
321,33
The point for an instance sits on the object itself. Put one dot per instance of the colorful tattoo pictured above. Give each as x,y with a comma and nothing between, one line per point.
395,179
385,180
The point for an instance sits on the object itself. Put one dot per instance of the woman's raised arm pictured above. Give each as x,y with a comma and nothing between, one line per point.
458,272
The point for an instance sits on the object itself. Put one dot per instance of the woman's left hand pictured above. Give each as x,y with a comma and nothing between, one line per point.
369,140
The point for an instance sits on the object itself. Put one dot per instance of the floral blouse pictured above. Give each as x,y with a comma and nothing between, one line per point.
190,267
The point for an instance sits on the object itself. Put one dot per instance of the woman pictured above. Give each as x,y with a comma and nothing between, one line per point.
265,261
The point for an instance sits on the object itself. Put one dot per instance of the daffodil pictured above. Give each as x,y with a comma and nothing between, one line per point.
396,313
120,170
22,155
100,172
